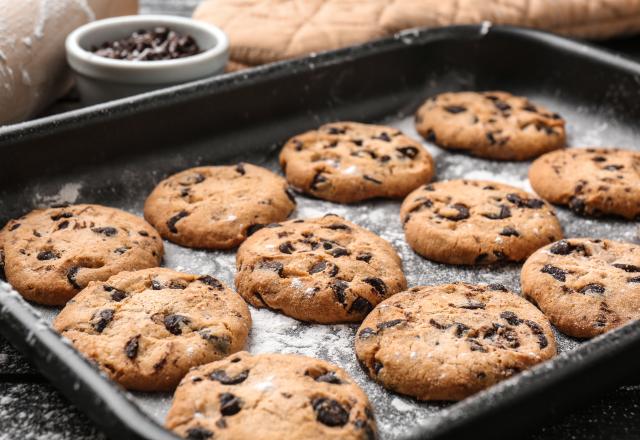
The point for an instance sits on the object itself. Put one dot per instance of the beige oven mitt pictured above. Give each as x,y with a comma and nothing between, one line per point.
262,31
33,67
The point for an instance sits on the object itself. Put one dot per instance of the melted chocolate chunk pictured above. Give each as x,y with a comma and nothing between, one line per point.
410,152
108,231
339,287
104,318
455,109
505,212
329,412
329,377
173,323
273,266
627,267
563,247
555,272
171,223
240,169
365,256
222,377
511,318
524,203
71,277
592,288
211,281
131,348
318,267
378,285
339,252
47,255
229,404
463,212
286,247
361,305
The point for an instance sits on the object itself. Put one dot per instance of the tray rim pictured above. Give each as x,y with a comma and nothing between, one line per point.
20,329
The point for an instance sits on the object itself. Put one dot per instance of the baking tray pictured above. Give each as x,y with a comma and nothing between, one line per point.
115,153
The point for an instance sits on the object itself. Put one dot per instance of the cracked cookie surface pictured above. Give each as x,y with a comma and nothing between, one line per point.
493,125
217,207
51,254
476,222
585,286
590,181
325,270
147,328
449,341
270,397
348,162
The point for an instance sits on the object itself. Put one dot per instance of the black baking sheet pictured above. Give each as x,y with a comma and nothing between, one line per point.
115,153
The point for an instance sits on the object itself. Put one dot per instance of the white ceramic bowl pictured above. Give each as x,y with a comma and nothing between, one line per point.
101,79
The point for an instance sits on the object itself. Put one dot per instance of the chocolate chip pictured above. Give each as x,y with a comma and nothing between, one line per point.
222,377
389,324
229,404
410,152
108,231
221,423
490,138
511,318
563,247
171,223
365,256
198,433
361,306
56,217
240,169
286,247
71,277
370,434
633,280
339,252
474,345
501,105
627,267
497,286
614,167
384,136
438,325
378,285
455,109
366,333
524,203
338,226
221,343
384,158
430,136
273,266
329,377
116,294
463,212
252,229
143,233
159,43
371,179
121,250
577,205
377,366
318,267
592,288
509,232
173,323
537,330
339,287
211,281
329,412
156,285
47,255
318,179
104,318
63,225
461,329
599,159
505,212
297,145
131,348
555,272
336,130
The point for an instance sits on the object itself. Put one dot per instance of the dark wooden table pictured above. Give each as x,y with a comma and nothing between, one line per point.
30,408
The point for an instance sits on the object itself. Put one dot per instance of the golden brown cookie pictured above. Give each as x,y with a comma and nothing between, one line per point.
348,162
217,207
52,254
585,286
493,125
449,341
270,397
476,222
591,181
147,328
325,270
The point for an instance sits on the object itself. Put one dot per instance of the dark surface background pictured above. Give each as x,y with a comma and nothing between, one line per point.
32,408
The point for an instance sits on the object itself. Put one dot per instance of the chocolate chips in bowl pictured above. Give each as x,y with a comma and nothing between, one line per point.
161,43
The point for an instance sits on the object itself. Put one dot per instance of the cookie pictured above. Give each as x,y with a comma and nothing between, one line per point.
585,286
147,328
270,397
476,222
51,254
450,341
217,207
590,181
325,270
493,125
348,162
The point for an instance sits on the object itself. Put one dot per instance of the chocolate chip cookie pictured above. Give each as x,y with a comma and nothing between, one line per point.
325,270
590,181
217,207
476,222
449,341
493,125
147,328
270,397
52,254
585,286
348,162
